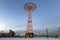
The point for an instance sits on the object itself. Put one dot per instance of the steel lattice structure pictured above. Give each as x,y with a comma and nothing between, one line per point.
29,7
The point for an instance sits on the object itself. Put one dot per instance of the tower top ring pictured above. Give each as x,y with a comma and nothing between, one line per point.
29,6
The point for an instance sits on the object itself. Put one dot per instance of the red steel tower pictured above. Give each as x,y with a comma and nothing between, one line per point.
29,7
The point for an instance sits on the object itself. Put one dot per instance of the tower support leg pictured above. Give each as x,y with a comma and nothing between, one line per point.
29,35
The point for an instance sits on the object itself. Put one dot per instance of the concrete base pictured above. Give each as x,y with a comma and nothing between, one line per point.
29,35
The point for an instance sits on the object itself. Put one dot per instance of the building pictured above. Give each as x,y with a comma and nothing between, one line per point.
10,34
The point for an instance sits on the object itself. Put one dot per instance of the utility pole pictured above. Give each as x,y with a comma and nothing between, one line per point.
47,32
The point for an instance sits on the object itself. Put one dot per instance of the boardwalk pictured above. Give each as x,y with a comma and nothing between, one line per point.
29,38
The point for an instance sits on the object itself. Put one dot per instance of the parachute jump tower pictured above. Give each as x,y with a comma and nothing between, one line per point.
29,7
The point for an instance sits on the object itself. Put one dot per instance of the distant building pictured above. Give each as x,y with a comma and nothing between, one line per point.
10,34
4,34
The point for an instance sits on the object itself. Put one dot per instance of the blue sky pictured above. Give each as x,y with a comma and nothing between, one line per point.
13,16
